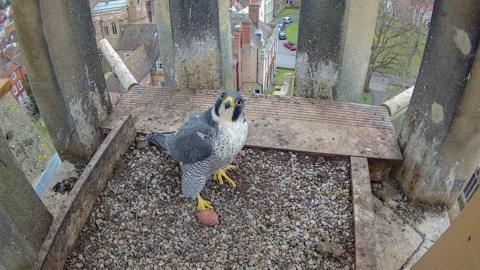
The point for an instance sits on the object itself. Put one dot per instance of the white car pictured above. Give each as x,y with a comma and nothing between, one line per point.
287,20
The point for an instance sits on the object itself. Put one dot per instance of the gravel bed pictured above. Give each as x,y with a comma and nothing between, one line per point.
289,211
392,195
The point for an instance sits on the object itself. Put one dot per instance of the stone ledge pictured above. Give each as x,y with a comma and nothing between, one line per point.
75,210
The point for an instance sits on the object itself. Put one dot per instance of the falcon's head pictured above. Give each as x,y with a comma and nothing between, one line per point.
229,107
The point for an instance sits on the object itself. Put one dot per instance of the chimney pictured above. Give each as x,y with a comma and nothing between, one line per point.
254,11
246,30
237,35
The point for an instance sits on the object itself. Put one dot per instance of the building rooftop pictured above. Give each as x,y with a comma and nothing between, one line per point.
140,63
236,18
4,86
107,6
135,35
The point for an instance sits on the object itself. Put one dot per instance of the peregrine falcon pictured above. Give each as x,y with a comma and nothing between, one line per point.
206,144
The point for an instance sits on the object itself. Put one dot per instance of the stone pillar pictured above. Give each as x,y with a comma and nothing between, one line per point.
195,43
440,136
319,46
57,42
334,46
359,28
24,220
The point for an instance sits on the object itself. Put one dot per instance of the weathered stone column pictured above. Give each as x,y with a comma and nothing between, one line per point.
319,48
195,43
359,30
57,43
334,46
24,220
440,136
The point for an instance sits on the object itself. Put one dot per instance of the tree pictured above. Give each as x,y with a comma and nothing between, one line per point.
389,44
418,11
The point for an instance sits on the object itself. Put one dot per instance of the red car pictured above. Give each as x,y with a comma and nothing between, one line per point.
290,45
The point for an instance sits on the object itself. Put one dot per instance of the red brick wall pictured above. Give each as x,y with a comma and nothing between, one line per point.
16,78
254,11
246,30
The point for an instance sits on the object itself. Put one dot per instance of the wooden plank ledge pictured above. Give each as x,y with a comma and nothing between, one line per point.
67,225
287,123
363,215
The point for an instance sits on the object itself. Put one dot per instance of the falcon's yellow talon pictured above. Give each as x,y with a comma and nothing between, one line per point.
220,175
203,204
230,167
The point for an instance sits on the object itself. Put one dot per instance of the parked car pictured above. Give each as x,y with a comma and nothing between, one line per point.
282,26
282,35
287,20
290,45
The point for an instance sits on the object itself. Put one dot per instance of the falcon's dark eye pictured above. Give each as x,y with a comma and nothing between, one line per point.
238,102
223,95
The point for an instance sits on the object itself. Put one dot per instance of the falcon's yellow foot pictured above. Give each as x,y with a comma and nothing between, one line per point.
203,204
220,175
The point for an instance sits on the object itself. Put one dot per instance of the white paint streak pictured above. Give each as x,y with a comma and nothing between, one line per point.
462,41
85,131
316,79
437,113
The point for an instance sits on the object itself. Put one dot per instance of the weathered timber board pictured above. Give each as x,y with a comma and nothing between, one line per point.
363,215
288,123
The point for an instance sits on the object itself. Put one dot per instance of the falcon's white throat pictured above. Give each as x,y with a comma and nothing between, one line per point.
224,115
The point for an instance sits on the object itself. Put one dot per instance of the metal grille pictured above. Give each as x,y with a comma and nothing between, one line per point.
469,189
472,185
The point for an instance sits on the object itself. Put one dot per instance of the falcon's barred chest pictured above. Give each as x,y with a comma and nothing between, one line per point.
230,140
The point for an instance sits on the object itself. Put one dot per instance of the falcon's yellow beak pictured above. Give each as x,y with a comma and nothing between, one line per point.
228,102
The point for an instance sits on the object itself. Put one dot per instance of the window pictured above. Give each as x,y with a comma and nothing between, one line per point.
24,94
13,75
105,30
114,28
14,90
20,84
159,65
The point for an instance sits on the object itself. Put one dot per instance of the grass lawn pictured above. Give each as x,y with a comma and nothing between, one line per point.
394,90
288,11
281,74
367,98
279,78
292,32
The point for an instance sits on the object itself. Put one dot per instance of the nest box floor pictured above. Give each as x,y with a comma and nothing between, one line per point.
289,210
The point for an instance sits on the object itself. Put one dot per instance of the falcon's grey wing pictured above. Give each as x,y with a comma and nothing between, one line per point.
193,141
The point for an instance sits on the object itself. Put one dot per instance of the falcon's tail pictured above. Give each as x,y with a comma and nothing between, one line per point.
158,139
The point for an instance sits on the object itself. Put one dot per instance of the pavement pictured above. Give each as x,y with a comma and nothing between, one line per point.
285,57
379,84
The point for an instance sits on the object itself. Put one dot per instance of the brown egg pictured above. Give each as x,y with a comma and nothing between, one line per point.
208,217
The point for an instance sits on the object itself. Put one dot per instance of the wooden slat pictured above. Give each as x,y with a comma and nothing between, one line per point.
288,123
364,217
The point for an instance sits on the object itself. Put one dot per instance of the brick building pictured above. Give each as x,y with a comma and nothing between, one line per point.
17,78
255,46
11,66
110,17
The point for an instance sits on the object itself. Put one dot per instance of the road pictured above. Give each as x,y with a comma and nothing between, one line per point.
379,84
285,57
